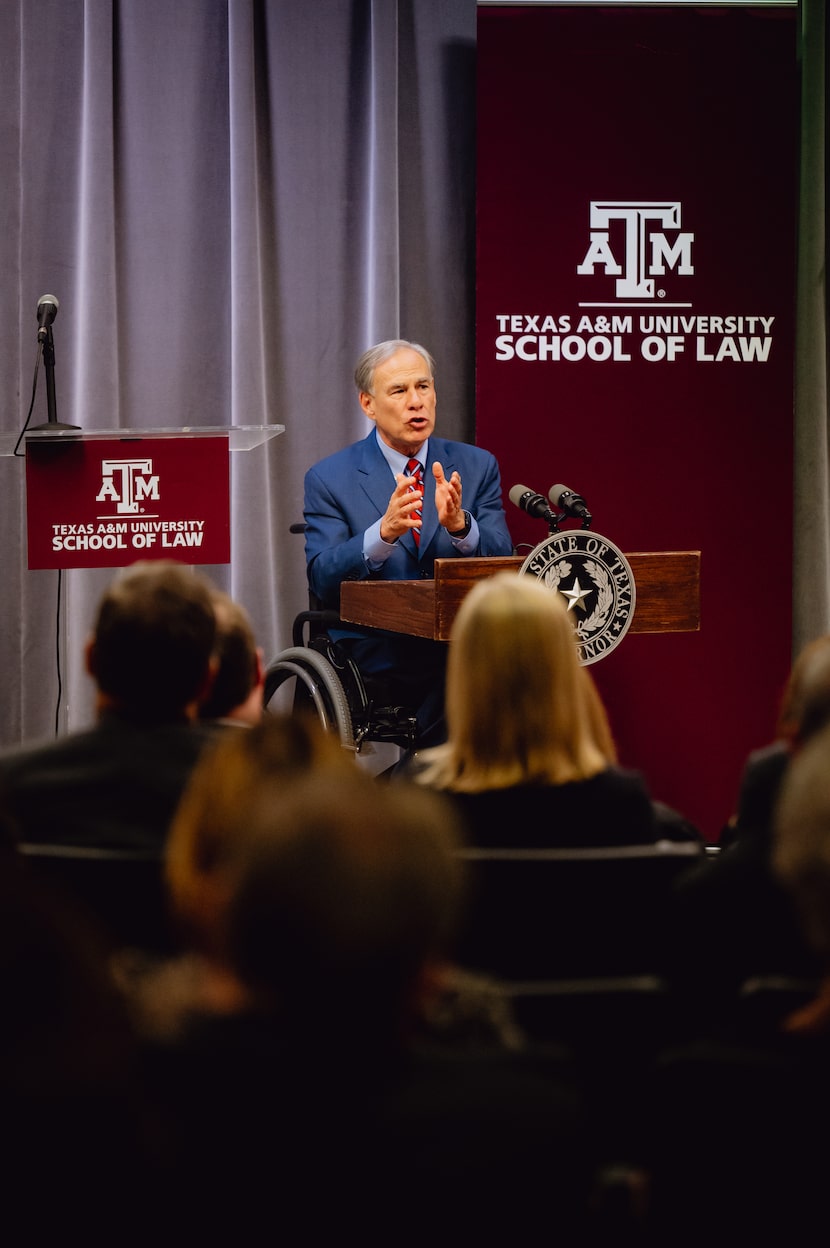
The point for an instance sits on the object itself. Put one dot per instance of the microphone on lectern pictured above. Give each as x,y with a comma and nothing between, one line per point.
536,505
569,502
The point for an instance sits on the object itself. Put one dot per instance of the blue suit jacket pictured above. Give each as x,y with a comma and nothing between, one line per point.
350,490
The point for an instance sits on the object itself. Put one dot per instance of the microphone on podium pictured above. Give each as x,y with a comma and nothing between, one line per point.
572,504
536,505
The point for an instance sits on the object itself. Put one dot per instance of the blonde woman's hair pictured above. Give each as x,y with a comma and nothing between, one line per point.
519,707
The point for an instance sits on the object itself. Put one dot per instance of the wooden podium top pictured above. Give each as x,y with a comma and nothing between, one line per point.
667,595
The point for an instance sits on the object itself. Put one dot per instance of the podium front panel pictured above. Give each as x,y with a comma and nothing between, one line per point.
105,503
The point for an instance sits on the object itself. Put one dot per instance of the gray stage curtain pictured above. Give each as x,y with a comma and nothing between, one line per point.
231,199
811,580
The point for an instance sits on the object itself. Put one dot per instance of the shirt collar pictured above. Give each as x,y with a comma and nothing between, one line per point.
398,462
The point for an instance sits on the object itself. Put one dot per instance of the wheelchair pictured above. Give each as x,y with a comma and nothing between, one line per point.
318,676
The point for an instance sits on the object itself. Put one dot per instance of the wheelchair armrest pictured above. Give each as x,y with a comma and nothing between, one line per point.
318,621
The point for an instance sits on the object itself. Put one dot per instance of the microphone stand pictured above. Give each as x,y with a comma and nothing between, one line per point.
585,516
52,421
586,521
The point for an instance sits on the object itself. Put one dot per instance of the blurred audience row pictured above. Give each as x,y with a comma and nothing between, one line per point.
311,1055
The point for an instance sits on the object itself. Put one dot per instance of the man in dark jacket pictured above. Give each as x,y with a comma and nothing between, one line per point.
116,784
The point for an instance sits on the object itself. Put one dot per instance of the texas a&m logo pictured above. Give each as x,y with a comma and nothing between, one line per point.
636,242
127,483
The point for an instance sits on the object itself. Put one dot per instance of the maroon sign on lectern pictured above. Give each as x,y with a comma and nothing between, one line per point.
94,502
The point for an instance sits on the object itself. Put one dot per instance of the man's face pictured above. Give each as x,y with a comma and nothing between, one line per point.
402,404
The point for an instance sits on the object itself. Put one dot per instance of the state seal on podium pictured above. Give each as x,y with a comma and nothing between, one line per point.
596,582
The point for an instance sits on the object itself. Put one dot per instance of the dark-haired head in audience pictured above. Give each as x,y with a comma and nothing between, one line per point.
529,746
152,643
804,708
235,693
715,952
115,783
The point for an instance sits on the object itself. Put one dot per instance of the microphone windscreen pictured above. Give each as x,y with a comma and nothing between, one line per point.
47,309
518,492
555,493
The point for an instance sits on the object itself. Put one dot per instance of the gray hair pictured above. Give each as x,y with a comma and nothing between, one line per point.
364,373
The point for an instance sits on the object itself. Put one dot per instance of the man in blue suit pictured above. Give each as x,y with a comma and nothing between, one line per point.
366,516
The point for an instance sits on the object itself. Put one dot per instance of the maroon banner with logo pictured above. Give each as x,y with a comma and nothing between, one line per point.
105,502
637,176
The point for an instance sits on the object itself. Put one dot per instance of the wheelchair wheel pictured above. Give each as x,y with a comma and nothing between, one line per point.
316,684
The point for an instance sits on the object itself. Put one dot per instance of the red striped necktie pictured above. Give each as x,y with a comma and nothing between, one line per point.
414,469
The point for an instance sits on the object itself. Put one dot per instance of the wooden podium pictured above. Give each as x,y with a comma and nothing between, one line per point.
667,585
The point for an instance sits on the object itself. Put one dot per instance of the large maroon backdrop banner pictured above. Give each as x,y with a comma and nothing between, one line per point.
635,328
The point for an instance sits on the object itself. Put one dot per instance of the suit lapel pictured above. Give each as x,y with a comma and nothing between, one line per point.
375,478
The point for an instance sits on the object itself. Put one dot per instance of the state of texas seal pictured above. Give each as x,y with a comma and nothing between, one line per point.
596,583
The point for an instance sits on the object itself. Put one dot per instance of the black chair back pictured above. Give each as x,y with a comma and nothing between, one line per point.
122,891
544,914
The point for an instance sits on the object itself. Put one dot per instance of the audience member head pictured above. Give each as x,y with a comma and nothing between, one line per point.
236,689
364,373
347,899
801,852
209,833
150,653
805,706
519,707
